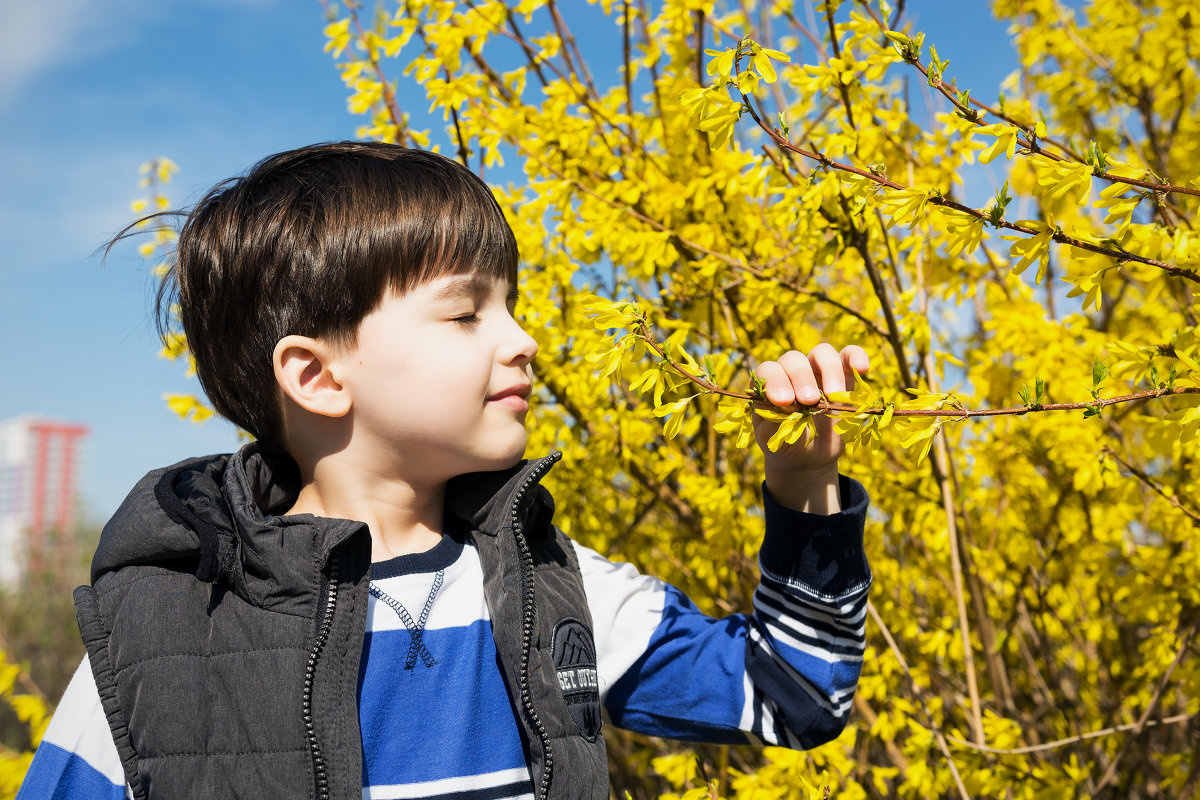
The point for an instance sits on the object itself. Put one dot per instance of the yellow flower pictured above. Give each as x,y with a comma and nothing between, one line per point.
1006,141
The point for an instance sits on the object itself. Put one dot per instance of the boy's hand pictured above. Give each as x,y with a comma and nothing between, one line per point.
804,475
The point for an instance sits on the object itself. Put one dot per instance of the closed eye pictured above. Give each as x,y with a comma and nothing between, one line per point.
469,320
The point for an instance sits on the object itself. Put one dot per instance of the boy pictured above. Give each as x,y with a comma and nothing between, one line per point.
371,600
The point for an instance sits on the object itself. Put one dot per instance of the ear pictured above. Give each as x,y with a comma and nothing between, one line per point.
306,371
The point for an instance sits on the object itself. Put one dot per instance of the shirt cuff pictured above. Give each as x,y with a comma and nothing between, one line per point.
819,553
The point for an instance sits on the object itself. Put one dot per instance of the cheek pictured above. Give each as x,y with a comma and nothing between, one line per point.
455,376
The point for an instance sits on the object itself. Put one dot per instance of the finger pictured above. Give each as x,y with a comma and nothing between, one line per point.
776,384
855,361
803,379
827,365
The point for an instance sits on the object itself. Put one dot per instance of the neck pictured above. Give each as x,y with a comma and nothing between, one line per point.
403,517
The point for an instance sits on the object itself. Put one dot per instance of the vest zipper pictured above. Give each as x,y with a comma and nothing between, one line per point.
320,770
527,620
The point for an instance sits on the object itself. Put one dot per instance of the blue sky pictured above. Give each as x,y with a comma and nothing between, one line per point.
88,92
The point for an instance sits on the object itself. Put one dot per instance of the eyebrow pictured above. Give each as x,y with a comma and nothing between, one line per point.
470,286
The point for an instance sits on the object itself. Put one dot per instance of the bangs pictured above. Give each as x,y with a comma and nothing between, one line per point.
399,229
466,235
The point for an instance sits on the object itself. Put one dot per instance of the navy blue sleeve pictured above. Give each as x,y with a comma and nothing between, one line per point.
820,553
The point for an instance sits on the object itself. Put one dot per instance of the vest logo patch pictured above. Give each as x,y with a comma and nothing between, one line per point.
575,659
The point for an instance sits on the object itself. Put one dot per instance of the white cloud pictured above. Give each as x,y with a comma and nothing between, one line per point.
36,36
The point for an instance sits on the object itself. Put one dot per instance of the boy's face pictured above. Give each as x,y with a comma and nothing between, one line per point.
439,381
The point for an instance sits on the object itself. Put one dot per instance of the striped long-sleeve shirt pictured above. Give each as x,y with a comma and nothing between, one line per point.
436,719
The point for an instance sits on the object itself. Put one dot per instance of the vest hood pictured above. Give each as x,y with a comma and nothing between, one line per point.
213,517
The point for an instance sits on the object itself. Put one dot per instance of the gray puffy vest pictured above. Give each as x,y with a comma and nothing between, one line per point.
225,644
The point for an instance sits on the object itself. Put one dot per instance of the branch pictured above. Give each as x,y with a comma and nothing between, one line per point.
464,154
859,240
1039,748
1030,141
1110,774
960,566
1120,255
569,45
938,736
643,332
895,754
389,97
1155,486
842,88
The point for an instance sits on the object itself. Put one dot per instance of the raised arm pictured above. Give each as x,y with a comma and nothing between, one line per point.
786,673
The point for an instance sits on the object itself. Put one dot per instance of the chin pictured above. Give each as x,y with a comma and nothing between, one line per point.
513,459
503,457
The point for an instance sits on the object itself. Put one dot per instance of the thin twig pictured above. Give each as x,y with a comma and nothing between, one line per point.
1110,774
936,198
389,97
920,695
1040,748
1155,486
842,88
758,271
569,46
627,70
941,467
806,33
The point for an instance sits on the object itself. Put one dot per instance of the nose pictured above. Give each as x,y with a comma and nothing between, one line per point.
521,346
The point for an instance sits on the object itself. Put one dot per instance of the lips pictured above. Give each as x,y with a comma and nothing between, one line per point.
515,397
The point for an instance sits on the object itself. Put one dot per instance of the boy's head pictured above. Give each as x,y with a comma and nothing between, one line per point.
308,243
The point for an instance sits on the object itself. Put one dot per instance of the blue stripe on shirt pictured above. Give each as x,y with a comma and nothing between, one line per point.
464,723
688,683
829,678
57,774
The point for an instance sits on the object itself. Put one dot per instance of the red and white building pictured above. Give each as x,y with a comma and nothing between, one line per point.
39,468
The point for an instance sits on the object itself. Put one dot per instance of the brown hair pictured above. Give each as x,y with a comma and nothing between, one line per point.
308,242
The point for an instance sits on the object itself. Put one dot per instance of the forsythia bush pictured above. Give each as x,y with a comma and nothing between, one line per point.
23,699
704,185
